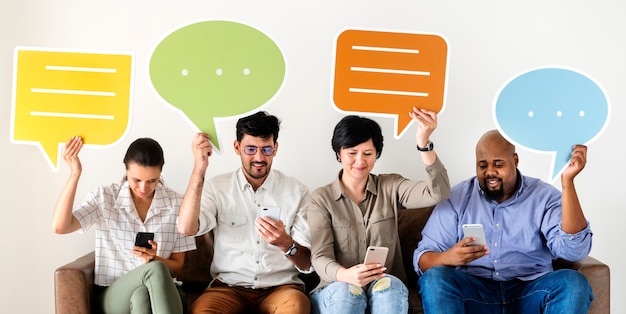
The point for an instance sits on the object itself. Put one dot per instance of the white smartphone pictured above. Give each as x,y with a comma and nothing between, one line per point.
376,255
272,212
476,231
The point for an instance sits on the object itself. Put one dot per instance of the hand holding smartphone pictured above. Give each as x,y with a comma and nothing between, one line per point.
142,239
475,231
376,255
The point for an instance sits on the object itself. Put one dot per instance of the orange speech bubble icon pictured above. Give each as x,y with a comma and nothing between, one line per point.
60,94
390,73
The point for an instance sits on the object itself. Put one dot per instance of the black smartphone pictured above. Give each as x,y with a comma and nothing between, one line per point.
142,239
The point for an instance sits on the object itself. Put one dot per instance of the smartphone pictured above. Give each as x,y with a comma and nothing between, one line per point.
142,239
476,231
376,255
272,212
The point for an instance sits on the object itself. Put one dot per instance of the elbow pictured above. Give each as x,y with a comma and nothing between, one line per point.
58,229
187,230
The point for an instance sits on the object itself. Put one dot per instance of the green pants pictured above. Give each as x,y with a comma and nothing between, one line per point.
144,290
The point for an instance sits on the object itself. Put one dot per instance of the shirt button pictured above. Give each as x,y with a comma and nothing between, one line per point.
495,244
495,261
497,274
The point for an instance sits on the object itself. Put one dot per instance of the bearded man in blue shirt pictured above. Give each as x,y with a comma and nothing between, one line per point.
527,224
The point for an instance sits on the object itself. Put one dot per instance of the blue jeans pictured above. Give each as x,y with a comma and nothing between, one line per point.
447,290
385,295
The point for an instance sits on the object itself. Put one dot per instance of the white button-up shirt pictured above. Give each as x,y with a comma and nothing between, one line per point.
230,207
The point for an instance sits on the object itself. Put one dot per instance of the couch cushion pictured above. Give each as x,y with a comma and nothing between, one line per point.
410,225
196,273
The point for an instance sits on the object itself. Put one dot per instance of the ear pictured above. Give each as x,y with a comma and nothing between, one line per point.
516,158
275,148
236,147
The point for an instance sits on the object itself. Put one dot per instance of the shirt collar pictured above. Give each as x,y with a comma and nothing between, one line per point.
337,187
160,200
267,185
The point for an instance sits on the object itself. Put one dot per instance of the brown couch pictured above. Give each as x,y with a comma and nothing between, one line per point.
73,281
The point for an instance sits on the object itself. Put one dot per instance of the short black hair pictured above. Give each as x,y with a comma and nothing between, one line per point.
145,152
260,124
353,130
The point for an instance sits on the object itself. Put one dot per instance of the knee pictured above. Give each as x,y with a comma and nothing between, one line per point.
433,276
158,267
573,281
344,290
388,283
156,270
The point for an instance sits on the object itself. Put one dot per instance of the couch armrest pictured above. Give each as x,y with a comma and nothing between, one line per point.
598,275
73,285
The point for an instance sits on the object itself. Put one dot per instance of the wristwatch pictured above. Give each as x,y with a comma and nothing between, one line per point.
429,147
292,250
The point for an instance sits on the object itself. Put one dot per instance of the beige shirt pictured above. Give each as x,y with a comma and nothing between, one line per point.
341,230
242,257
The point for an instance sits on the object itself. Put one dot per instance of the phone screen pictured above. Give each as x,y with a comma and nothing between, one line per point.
142,239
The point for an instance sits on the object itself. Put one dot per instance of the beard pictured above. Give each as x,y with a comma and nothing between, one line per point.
494,195
252,172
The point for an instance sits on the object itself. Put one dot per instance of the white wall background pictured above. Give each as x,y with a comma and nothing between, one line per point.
489,42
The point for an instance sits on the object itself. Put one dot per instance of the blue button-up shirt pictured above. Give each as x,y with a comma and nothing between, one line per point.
523,233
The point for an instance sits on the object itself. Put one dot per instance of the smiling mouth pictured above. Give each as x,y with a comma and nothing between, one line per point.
492,182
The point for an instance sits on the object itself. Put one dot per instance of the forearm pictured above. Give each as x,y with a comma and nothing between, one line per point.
431,259
63,221
428,157
302,259
189,214
573,219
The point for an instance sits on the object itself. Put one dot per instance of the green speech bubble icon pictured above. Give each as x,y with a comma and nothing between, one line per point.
215,69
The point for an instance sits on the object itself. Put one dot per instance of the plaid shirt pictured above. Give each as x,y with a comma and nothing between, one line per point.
112,211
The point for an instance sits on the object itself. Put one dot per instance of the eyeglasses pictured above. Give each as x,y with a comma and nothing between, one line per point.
265,150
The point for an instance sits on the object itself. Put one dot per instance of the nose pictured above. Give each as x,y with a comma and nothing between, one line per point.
360,157
142,187
490,170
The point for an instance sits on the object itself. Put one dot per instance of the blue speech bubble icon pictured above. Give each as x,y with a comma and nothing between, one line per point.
550,110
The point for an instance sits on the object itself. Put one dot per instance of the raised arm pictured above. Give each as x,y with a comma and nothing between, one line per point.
426,124
63,221
573,219
188,217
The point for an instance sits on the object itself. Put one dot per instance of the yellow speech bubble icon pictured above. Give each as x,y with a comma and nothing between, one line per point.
59,94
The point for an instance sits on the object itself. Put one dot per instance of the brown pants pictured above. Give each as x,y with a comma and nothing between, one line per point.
221,298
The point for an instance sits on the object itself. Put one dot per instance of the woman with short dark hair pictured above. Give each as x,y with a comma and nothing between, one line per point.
358,210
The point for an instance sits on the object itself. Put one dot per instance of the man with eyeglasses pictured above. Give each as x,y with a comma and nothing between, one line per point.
257,259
